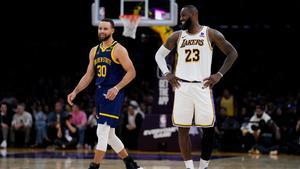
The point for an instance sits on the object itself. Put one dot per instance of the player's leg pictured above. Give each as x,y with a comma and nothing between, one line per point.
117,145
205,117
183,112
101,147
206,146
185,146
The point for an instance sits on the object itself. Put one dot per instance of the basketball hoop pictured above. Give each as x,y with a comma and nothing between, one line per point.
130,23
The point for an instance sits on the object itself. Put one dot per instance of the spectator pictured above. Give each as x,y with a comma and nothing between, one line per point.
133,123
91,137
5,122
265,131
22,122
259,120
67,134
55,118
79,120
228,102
40,126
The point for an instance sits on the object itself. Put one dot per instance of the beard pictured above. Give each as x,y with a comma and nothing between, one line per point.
101,39
186,24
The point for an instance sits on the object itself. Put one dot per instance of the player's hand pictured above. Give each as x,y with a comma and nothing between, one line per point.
111,93
211,80
71,97
173,80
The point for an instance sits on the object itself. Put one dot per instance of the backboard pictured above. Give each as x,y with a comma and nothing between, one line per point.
152,12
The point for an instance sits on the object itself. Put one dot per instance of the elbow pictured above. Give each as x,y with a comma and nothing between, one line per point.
158,56
232,55
133,74
235,55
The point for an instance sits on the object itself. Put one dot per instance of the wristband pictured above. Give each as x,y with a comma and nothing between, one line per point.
116,88
220,74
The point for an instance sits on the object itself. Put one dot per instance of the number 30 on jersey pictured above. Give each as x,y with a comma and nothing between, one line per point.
101,70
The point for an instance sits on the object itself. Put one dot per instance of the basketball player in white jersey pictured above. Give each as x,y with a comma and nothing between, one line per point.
193,81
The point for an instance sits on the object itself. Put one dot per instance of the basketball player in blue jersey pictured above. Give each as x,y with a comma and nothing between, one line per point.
113,69
192,80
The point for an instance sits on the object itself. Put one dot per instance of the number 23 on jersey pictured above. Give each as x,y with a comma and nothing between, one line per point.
192,55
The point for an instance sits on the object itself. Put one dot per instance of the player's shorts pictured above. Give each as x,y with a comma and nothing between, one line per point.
108,111
193,106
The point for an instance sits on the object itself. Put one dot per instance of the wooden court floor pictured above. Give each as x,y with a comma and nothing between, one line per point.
79,159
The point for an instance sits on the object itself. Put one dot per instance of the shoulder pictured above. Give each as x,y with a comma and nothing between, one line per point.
172,40
119,49
253,118
175,35
27,113
93,51
266,116
83,113
214,35
119,46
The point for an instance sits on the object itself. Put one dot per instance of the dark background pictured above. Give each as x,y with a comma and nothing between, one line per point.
46,43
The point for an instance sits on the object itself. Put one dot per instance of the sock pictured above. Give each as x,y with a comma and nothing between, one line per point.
189,164
203,164
128,159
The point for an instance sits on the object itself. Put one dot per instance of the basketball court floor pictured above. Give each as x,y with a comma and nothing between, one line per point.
80,159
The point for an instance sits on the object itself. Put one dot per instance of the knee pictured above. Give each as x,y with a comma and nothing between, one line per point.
111,138
183,132
208,131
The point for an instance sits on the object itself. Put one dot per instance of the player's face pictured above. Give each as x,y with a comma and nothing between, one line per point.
185,18
105,31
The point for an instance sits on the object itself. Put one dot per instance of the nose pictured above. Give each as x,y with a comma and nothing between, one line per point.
181,19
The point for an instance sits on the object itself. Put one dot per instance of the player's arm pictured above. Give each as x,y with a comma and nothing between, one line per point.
86,78
218,39
161,54
122,56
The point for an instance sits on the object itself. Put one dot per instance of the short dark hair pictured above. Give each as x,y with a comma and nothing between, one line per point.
192,8
110,21
22,104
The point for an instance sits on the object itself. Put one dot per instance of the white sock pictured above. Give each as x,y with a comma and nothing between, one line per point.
189,164
203,164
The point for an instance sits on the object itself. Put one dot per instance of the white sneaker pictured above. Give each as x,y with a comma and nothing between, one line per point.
3,144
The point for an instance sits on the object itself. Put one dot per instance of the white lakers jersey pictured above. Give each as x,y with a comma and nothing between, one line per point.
194,56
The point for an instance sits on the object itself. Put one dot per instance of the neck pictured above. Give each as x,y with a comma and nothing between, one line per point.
194,28
108,42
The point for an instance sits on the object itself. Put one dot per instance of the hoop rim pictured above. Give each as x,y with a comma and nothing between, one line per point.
130,17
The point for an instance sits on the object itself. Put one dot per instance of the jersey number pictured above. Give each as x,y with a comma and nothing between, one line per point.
194,58
101,70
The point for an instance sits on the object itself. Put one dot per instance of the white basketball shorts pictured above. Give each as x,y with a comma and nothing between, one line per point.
193,106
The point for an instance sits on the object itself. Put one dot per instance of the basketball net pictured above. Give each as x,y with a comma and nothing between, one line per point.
130,23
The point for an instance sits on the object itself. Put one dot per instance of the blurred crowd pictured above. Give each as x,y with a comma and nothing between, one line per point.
258,124
246,122
61,125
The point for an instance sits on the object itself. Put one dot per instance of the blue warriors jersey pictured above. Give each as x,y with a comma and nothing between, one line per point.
109,71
